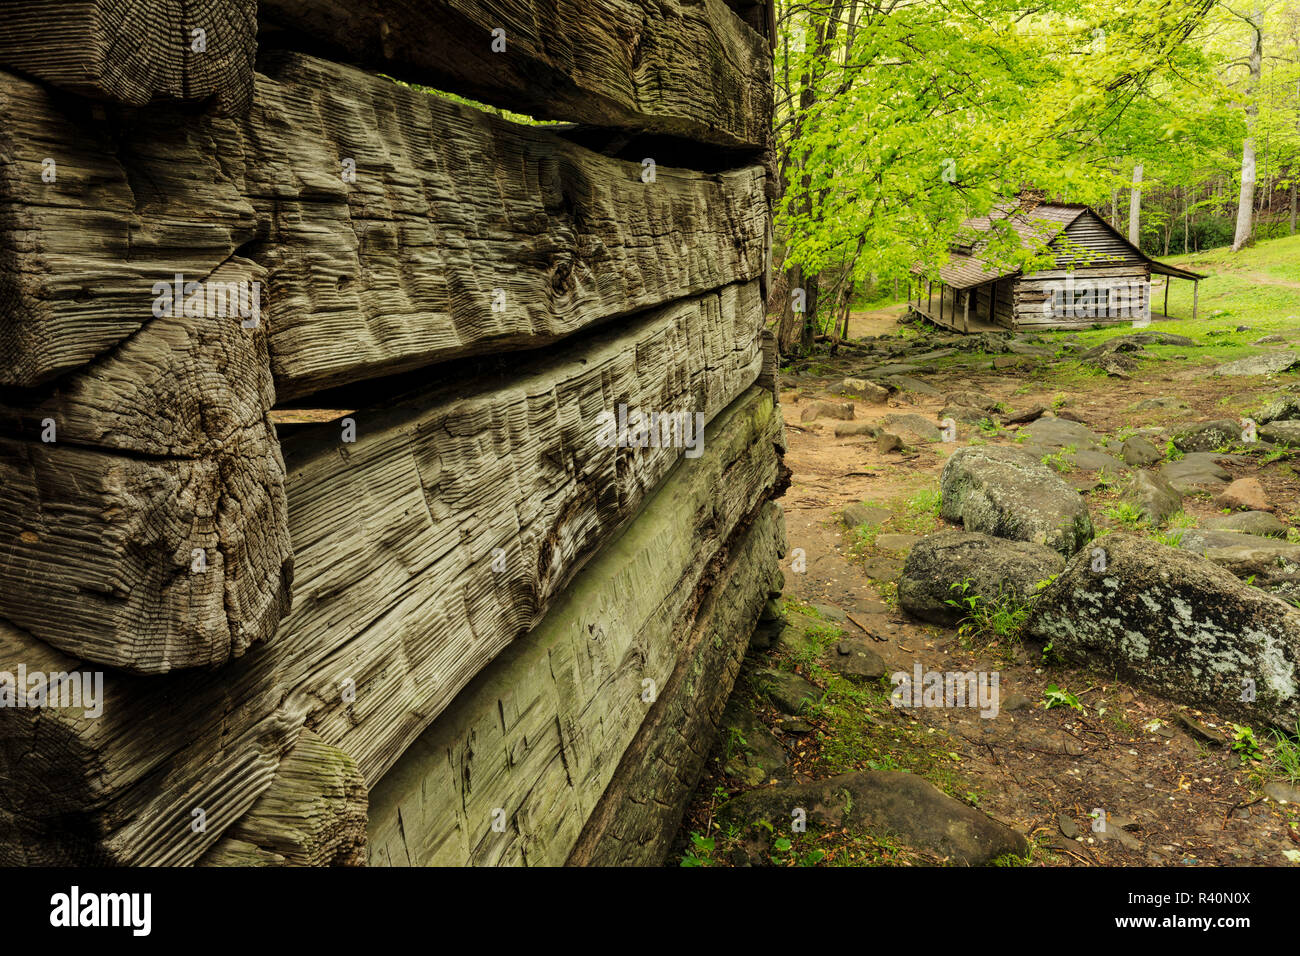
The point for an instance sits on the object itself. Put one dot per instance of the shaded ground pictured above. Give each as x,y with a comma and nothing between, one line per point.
1173,797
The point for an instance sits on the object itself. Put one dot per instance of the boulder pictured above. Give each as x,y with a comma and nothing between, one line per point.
789,692
964,413
1139,452
1207,436
1030,414
1057,433
1200,471
885,802
841,410
1161,403
869,392
973,400
859,514
1175,622
993,566
914,385
887,442
1281,433
922,428
1266,363
1245,494
1259,523
1001,491
1154,496
854,657
1286,408
851,429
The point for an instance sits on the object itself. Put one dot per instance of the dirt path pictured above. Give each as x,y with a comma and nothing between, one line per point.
1173,798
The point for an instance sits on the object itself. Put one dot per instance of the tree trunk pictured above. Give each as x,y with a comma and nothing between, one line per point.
1135,204
1246,200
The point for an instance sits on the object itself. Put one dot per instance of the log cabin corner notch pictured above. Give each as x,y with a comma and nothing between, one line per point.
1098,278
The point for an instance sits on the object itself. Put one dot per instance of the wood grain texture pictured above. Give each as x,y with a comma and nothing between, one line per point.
394,591
533,742
314,814
641,810
690,69
135,199
135,51
395,271
400,268
151,533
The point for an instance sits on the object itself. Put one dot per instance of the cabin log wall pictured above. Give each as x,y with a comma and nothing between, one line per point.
285,612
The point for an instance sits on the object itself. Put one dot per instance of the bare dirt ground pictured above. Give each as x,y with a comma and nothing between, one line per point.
1173,797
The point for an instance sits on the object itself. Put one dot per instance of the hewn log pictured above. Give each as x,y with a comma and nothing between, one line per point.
396,601
509,773
641,809
142,500
135,51
461,234
690,69
314,814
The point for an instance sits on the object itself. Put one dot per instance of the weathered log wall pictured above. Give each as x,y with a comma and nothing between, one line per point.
534,741
285,619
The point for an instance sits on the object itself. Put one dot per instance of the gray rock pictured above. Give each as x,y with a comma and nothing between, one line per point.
1195,472
901,543
1139,452
1002,491
1270,340
888,442
893,368
869,392
854,657
1094,461
1282,433
905,384
1017,701
841,410
964,413
1266,363
993,566
1154,496
1134,343
1207,436
1286,408
1175,622
1067,825
1282,792
788,691
1022,418
830,612
973,400
1259,523
860,514
922,428
751,745
1058,433
850,429
1163,403
884,802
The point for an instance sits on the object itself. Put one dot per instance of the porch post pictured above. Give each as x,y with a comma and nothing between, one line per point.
1196,294
1166,297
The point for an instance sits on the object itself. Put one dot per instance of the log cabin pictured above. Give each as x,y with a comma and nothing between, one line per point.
1096,277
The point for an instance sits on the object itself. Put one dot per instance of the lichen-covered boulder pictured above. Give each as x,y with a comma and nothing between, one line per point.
988,567
1006,493
1175,622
